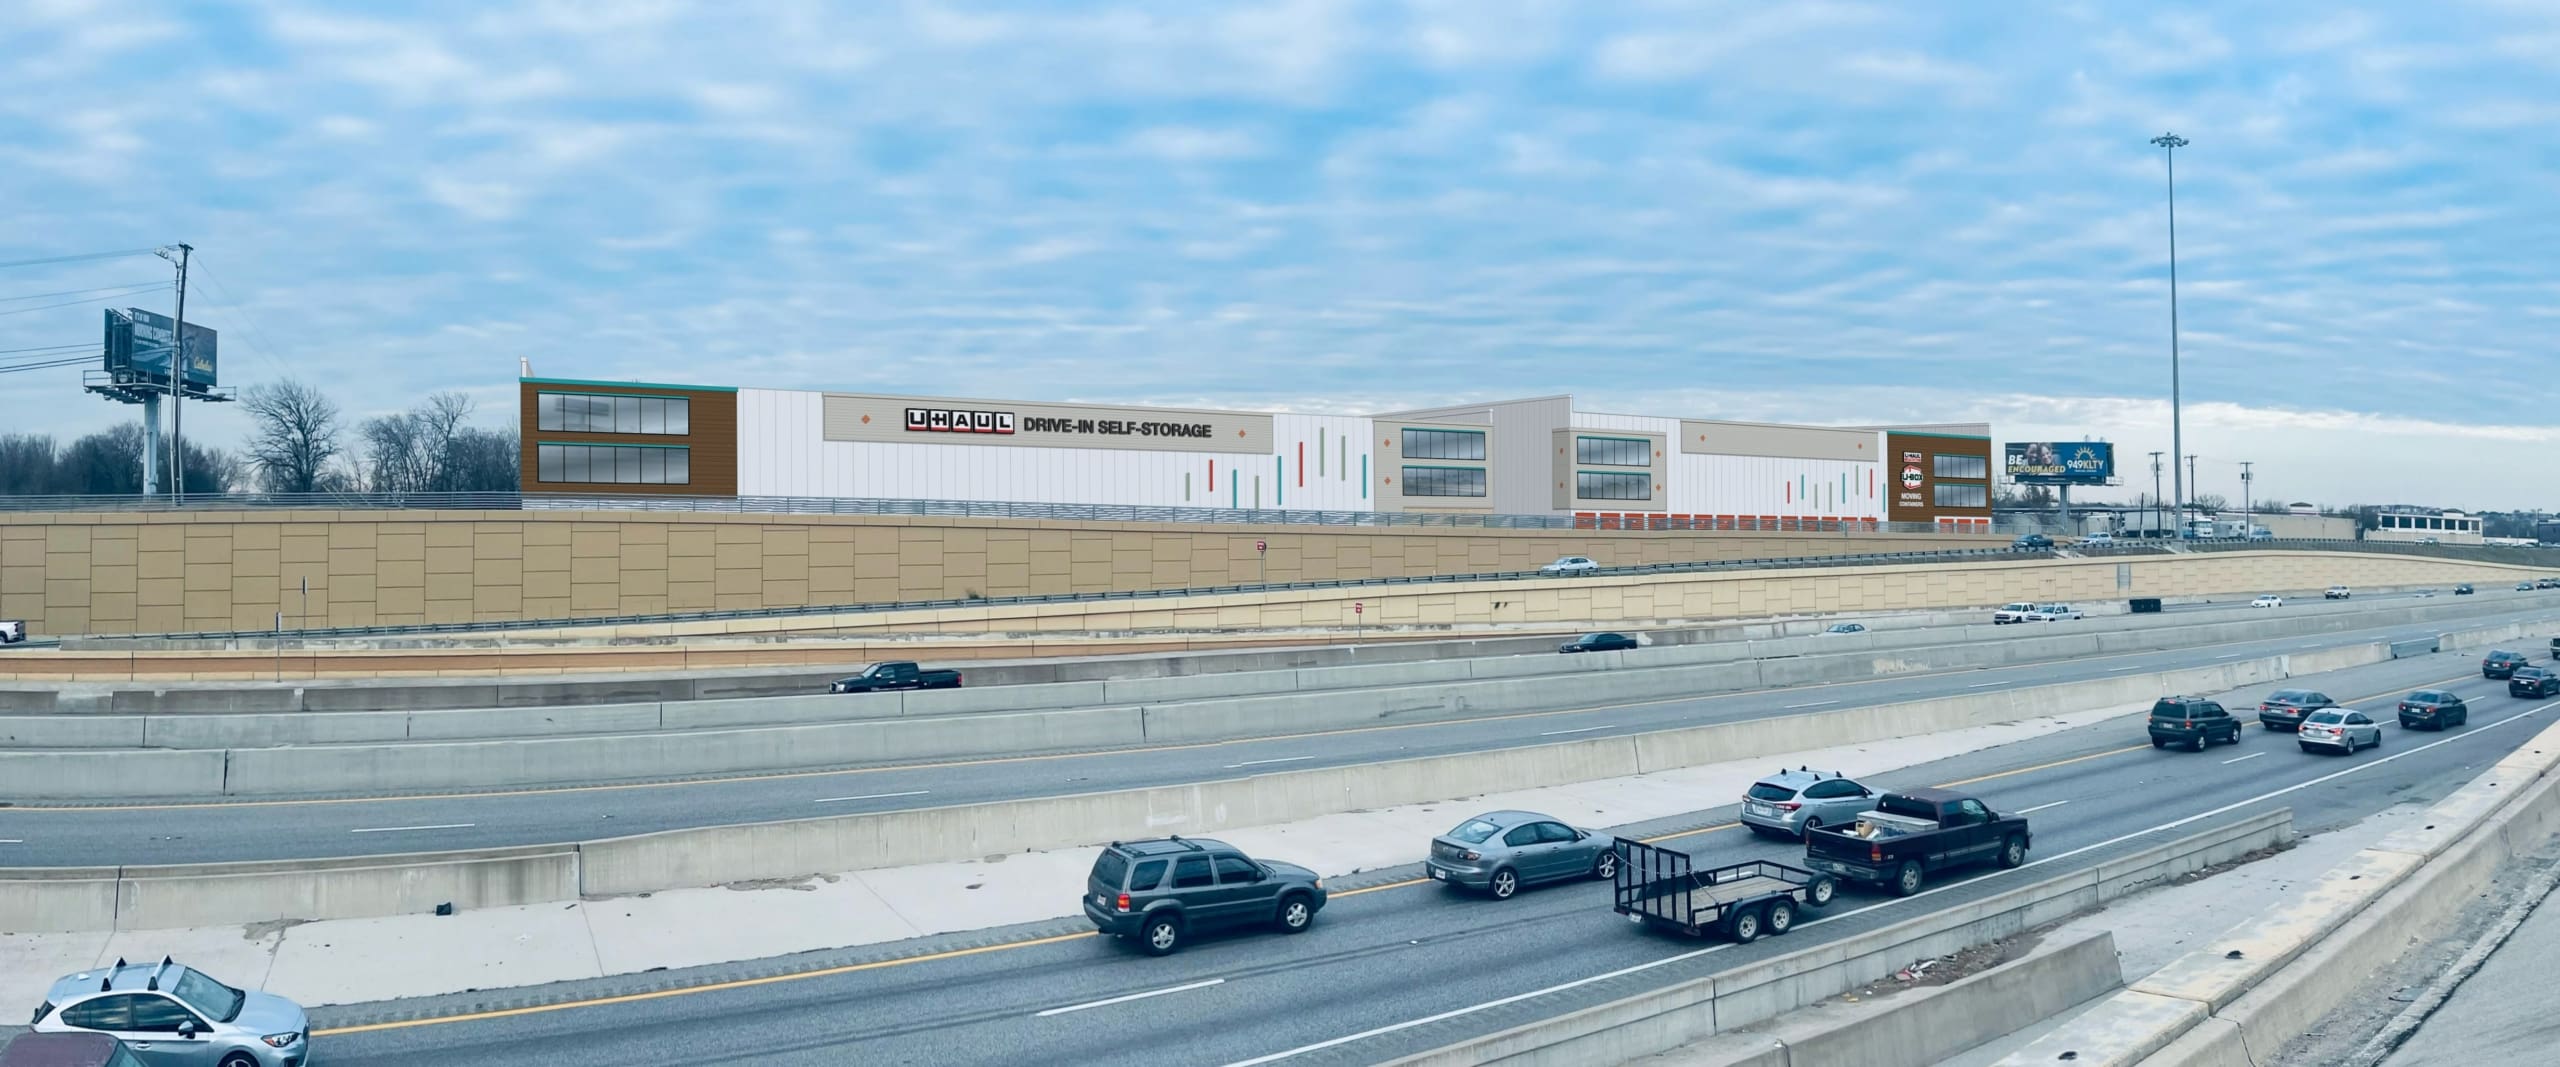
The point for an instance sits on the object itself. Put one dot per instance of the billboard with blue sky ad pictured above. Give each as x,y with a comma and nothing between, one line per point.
139,343
2060,462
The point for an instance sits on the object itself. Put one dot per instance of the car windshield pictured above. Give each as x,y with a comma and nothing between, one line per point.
1845,627
1474,831
1771,791
2425,696
2326,716
206,995
1592,638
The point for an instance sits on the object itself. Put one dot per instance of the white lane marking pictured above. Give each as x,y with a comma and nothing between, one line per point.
397,829
1984,685
871,796
1583,730
1802,923
1815,704
12,841
2040,807
2252,755
1260,762
2112,670
2235,655
1130,997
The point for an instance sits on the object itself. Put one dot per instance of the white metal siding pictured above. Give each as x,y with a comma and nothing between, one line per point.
782,451
1755,485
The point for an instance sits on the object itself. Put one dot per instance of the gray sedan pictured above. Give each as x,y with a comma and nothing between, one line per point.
1788,802
1500,851
2339,730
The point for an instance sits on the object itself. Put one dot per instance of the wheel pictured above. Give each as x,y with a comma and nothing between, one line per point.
2271,727
1782,916
2014,852
1908,880
1811,824
2198,743
1606,867
238,1059
2308,749
1744,926
2377,739
1819,894
1505,883
2158,743
1162,936
1296,914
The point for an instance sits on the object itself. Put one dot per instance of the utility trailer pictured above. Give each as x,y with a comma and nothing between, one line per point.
1658,886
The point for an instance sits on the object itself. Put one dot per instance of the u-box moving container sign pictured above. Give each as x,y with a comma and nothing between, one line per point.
946,420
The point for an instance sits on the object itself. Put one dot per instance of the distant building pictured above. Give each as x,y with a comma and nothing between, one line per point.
2411,524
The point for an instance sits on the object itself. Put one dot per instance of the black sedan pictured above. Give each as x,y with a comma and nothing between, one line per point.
2462,590
2533,682
1598,643
2501,663
2285,709
2032,541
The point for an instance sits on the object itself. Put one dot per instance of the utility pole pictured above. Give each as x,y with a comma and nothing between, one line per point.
2155,494
2248,513
2170,143
2185,523
178,376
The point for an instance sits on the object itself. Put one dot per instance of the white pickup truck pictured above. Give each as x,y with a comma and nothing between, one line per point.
2053,613
2010,613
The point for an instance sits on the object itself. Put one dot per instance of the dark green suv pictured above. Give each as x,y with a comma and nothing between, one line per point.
2191,721
1160,891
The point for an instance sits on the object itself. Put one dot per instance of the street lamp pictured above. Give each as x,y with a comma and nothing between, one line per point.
2170,143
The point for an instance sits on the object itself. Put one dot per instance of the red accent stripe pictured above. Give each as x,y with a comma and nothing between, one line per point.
1213,476
1302,464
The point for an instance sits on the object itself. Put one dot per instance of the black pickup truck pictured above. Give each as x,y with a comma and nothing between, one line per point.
1916,833
895,674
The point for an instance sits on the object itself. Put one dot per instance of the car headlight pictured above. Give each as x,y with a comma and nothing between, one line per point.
1319,883
281,1040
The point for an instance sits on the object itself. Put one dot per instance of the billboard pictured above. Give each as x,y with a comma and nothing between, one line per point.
2060,462
139,344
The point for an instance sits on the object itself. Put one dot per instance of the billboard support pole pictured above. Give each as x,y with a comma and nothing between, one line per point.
150,444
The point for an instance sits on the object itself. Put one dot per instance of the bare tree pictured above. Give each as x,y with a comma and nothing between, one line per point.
26,464
419,450
294,435
2210,502
484,461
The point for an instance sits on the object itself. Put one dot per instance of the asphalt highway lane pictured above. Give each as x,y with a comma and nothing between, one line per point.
1406,966
225,831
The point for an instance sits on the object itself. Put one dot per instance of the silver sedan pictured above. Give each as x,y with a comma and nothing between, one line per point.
2339,730
1500,851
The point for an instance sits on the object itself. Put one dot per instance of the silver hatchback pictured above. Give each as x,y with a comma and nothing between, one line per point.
174,1016
1500,851
1790,802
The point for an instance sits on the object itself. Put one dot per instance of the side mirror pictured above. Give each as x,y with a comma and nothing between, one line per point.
1582,835
187,1030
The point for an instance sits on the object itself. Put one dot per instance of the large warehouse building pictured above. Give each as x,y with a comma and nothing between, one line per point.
1540,456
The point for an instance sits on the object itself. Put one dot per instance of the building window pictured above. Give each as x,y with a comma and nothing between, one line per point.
1444,444
613,464
1613,451
1444,481
1960,495
593,413
1948,466
1602,485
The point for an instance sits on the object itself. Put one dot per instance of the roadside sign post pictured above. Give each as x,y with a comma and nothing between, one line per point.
1359,623
279,644
1262,561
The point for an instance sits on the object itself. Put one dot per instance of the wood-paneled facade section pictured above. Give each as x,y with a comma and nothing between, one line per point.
710,440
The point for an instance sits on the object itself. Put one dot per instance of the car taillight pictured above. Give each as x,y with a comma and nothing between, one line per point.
1124,901
1875,853
2266,707
1789,806
1471,857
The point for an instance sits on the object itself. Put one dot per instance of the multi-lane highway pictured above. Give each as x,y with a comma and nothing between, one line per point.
1395,966
217,831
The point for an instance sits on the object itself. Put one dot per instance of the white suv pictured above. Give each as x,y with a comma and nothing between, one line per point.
2053,613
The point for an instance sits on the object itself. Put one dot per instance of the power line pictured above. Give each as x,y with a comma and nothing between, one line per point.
71,362
75,259
256,337
68,303
77,292
48,348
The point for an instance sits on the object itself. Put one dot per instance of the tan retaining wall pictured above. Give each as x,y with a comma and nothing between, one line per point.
152,572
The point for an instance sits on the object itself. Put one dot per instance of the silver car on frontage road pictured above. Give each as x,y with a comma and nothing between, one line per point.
1500,851
174,1016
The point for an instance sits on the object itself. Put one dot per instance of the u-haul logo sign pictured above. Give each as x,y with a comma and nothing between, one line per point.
959,420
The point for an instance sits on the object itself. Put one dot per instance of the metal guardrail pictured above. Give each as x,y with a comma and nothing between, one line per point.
995,509
420,629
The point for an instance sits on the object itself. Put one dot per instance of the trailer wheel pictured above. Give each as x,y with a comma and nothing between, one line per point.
1907,881
1821,892
1744,926
1782,916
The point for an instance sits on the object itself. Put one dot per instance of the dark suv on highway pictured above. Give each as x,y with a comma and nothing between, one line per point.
2532,682
2501,663
2434,709
1159,891
2285,709
2191,721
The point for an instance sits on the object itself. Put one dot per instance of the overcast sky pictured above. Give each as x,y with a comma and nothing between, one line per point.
1824,212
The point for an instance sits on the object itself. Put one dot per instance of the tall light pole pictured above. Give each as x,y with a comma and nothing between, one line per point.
2170,143
2153,526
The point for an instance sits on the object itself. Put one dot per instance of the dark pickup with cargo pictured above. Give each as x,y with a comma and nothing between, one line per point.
895,674
1914,834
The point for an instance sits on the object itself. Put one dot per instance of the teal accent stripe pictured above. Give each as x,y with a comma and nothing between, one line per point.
1235,491
632,385
1436,467
1949,436
1599,437
1364,477
1279,479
